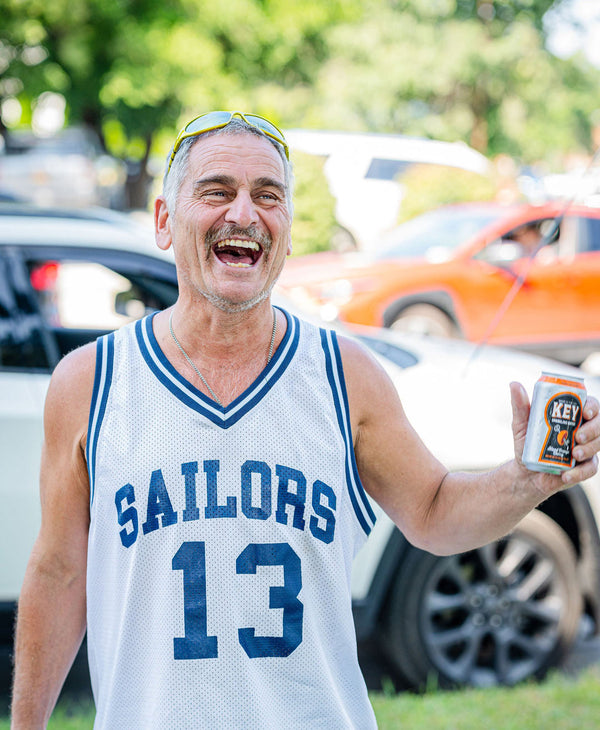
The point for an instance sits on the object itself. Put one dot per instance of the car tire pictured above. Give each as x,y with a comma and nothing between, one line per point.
498,615
424,319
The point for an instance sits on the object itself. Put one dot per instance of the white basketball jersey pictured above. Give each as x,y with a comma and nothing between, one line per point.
221,543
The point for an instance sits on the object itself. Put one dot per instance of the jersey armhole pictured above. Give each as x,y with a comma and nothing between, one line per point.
335,376
105,348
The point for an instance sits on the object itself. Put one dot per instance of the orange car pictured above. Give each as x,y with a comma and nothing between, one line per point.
520,276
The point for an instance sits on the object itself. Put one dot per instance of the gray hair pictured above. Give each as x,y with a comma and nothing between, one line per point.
173,178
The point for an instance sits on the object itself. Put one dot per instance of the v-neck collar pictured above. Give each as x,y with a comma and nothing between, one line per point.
187,393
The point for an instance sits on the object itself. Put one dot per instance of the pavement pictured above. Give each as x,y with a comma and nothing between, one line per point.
585,653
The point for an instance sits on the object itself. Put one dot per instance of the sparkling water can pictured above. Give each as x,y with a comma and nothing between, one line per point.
556,413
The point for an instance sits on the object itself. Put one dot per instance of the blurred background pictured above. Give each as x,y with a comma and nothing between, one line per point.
92,94
446,184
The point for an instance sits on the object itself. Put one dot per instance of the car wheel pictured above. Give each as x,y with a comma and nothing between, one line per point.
425,319
500,614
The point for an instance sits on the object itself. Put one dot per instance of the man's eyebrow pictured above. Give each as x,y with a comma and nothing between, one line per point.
261,182
214,179
269,182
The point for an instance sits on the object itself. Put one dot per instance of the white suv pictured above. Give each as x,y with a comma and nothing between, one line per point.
364,172
500,614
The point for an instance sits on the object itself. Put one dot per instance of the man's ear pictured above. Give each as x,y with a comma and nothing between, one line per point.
162,223
289,246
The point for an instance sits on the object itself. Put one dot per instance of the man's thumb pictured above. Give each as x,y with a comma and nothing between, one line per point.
520,412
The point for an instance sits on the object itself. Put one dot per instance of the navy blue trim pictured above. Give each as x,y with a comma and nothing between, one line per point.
189,395
102,382
361,490
340,401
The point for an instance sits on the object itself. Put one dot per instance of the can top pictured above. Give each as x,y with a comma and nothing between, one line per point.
570,380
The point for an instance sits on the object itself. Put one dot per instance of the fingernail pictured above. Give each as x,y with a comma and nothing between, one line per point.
578,454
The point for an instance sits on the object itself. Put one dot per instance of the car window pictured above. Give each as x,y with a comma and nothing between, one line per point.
54,298
592,242
25,343
80,298
88,295
382,169
523,241
436,233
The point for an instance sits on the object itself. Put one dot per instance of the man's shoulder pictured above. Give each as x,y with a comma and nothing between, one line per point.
368,382
72,381
68,401
77,370
76,363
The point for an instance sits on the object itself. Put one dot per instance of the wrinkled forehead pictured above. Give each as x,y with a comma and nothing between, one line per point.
242,156
174,179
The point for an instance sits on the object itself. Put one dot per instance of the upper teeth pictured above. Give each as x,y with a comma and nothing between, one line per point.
238,244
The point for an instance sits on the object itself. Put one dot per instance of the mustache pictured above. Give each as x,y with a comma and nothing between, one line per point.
231,230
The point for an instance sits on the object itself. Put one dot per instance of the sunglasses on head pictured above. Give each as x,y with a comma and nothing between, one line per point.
216,120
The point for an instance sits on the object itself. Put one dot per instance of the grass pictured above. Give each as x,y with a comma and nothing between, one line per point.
560,703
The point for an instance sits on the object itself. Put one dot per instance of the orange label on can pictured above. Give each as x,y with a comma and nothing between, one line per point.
560,381
563,414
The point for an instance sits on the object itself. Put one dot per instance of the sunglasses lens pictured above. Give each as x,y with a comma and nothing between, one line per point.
206,122
266,126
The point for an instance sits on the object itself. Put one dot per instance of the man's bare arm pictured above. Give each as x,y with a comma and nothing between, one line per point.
51,612
438,511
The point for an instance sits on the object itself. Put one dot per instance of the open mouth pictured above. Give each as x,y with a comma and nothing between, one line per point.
237,253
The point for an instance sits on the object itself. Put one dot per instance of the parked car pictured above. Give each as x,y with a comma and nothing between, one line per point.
449,272
500,614
67,168
365,173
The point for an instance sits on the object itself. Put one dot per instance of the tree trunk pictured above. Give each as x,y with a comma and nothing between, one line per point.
137,187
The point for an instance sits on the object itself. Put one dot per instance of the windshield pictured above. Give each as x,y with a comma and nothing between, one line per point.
438,233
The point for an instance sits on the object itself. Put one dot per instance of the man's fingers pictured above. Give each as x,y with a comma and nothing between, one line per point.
587,438
592,408
581,472
520,411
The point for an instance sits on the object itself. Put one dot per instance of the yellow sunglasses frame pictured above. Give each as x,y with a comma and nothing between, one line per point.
247,118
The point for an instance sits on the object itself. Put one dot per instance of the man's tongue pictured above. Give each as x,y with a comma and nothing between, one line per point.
234,254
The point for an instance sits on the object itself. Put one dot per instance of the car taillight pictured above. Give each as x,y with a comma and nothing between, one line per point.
44,277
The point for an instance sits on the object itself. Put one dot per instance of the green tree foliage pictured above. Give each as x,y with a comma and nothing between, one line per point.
135,70
451,70
144,63
314,219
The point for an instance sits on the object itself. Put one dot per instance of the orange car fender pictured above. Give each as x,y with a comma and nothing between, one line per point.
437,298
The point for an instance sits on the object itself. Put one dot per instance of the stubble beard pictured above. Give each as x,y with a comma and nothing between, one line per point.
230,230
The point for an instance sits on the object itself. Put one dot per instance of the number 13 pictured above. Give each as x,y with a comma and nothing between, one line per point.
196,644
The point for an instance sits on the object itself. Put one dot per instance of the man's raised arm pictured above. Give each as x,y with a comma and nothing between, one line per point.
438,511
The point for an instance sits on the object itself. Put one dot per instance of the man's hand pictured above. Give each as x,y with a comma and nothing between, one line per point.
587,438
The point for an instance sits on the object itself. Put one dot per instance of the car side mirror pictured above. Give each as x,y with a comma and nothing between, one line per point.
128,305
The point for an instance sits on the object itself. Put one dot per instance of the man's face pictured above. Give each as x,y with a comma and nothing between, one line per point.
231,225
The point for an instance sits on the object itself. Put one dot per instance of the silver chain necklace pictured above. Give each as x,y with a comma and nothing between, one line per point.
199,374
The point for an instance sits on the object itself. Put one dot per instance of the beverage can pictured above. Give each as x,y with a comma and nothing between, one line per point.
556,414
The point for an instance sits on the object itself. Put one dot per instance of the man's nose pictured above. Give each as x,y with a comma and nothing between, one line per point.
242,210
